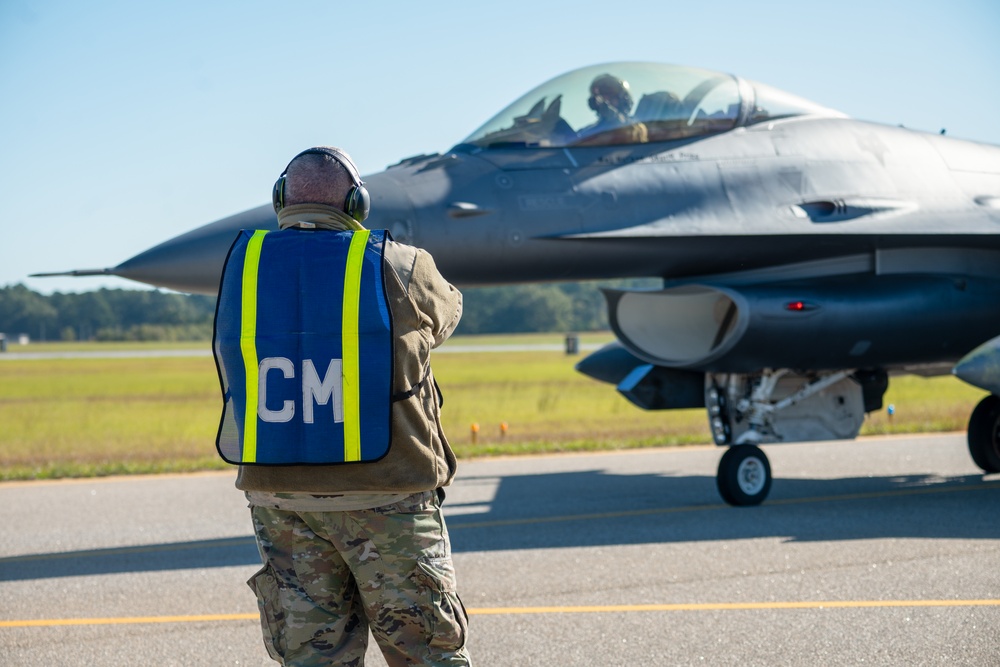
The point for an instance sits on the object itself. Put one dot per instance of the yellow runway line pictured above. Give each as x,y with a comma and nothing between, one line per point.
520,611
126,620
732,606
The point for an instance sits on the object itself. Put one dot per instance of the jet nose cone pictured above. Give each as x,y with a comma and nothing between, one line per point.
192,262
981,367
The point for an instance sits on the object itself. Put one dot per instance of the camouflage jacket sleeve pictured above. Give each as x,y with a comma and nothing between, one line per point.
434,298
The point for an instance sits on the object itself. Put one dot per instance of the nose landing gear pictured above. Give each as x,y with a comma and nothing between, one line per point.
744,476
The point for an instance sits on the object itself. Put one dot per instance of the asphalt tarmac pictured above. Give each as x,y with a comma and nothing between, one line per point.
878,551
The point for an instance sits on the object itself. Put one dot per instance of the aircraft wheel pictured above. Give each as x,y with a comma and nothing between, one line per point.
984,434
744,476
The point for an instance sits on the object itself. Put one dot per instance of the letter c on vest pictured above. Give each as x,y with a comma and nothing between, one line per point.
288,407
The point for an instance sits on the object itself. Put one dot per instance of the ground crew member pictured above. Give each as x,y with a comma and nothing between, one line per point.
324,327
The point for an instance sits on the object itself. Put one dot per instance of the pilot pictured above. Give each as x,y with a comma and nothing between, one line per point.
346,512
611,99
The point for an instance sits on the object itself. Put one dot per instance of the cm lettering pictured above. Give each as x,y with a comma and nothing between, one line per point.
315,390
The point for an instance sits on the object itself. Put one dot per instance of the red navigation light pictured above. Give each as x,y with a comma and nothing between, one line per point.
799,306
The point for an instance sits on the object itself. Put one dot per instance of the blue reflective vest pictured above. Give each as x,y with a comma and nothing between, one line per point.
303,345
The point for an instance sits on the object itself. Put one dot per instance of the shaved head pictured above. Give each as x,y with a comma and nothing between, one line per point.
317,178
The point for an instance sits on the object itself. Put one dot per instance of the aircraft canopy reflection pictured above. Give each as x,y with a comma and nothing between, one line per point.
629,103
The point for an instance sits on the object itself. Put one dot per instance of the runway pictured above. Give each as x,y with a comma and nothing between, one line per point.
879,551
447,348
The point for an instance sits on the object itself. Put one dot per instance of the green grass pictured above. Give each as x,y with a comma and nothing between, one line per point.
86,417
79,417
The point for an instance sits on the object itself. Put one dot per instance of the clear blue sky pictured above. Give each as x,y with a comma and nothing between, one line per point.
123,124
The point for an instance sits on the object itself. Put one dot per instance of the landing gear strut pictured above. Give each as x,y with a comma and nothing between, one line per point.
984,434
744,476
775,405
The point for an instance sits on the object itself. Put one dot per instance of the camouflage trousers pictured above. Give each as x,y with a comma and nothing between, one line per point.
329,577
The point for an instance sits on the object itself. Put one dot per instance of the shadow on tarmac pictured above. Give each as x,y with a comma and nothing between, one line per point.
594,508
597,508
146,558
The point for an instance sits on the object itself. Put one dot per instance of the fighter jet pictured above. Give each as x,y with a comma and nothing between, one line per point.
805,256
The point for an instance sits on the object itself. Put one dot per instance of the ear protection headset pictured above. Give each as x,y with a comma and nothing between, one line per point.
606,90
356,204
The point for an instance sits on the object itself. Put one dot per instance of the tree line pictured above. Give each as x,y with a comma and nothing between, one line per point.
137,315
105,314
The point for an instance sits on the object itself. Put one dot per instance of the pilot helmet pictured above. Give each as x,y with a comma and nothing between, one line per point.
609,93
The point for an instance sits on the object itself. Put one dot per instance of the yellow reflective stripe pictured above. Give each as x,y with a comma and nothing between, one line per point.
351,354
248,343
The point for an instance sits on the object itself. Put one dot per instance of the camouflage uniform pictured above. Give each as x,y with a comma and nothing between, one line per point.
329,576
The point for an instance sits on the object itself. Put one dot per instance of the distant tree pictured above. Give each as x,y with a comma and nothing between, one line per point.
86,313
590,313
24,311
577,306
516,309
106,314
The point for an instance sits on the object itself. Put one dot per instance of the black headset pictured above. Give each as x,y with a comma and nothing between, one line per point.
358,201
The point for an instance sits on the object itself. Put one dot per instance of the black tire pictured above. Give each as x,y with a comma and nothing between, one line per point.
744,476
984,434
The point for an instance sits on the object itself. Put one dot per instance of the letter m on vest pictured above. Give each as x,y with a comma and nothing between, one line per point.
303,345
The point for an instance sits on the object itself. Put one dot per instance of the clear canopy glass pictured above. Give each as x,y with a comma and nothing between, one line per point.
629,103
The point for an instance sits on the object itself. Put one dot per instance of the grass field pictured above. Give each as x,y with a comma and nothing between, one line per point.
79,417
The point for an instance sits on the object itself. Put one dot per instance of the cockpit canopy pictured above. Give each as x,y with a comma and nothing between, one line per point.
630,103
